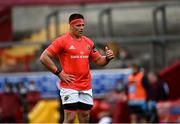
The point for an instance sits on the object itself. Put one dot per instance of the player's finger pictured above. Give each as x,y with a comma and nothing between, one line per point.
106,48
72,76
65,80
71,79
110,56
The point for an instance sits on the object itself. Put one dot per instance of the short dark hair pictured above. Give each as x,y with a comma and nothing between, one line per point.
75,16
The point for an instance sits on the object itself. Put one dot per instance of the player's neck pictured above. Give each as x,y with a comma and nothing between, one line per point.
75,36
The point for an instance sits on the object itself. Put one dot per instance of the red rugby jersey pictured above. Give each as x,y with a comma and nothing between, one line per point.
74,56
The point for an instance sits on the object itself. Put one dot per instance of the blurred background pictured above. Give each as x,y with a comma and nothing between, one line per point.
145,32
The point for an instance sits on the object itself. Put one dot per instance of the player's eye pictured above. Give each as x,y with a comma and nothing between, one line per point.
79,25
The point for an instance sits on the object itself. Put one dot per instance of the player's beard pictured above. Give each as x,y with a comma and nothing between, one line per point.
77,35
80,33
77,32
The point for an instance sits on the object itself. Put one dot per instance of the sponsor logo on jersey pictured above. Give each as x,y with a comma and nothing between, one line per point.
79,57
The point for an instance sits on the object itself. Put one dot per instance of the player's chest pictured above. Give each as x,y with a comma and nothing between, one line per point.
78,48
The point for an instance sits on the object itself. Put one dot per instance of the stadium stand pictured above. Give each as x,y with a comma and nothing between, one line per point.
133,28
46,82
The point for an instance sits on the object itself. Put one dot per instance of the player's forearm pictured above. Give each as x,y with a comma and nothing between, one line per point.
102,61
47,62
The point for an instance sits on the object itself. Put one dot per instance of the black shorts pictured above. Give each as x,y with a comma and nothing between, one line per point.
77,106
137,109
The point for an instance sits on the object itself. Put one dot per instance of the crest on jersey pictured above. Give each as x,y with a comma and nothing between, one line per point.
66,98
88,47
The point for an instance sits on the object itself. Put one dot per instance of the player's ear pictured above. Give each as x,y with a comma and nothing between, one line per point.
70,27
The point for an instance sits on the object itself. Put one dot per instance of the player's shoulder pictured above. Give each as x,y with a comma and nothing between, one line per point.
62,37
88,40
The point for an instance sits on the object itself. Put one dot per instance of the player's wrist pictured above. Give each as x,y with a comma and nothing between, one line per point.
57,71
107,59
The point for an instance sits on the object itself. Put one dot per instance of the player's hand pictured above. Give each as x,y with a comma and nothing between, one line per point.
109,53
66,77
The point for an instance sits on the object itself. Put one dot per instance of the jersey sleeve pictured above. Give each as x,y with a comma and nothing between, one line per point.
94,54
56,46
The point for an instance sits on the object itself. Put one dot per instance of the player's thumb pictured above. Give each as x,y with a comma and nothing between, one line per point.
106,48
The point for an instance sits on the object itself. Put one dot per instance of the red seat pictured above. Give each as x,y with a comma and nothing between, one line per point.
32,98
